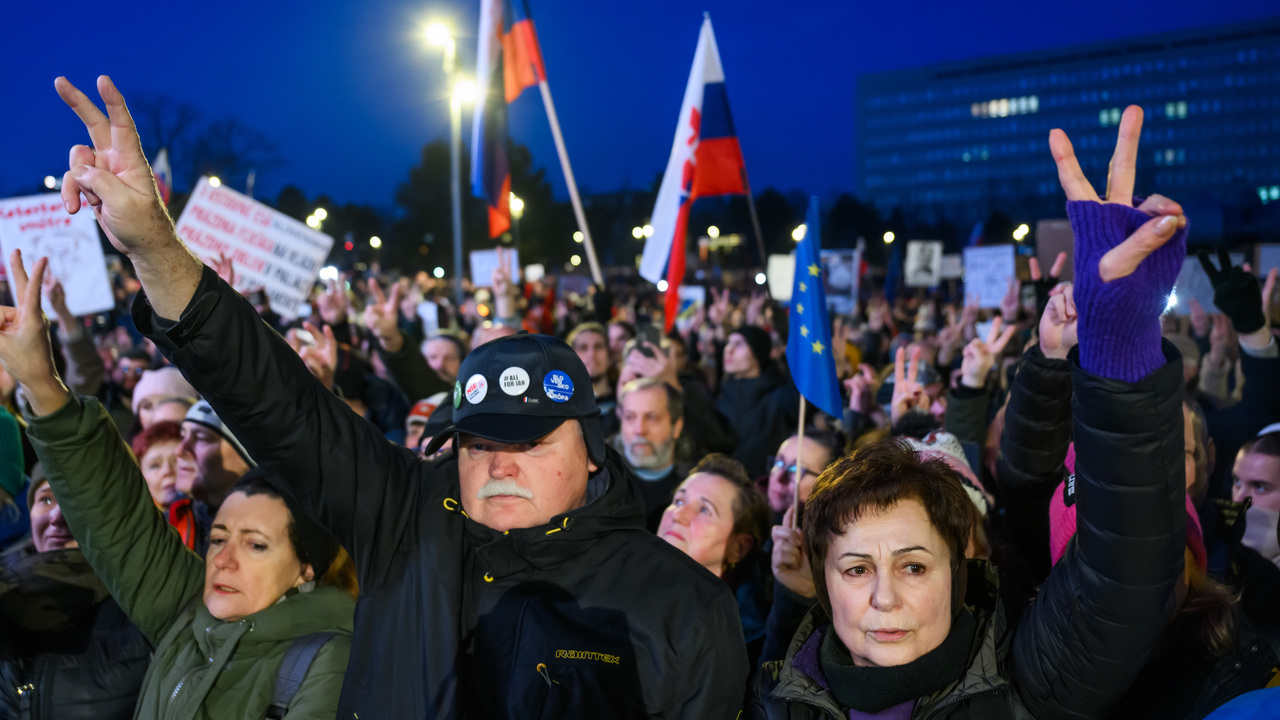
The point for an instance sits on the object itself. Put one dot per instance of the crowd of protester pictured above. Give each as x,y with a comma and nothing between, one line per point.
545,503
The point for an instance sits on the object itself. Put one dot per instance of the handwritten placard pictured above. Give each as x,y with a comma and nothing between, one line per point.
781,273
270,249
987,271
39,226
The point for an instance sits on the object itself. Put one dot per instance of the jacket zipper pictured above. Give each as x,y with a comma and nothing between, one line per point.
26,696
942,706
169,711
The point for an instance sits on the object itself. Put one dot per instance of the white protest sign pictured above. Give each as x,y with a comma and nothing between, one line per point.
1267,260
781,273
691,294
987,272
39,226
430,314
924,263
534,272
270,249
1193,284
484,262
952,267
840,281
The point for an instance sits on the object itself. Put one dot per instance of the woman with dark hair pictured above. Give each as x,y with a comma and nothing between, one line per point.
908,627
262,613
719,518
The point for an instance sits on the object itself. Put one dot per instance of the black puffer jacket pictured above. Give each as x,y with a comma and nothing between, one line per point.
67,651
762,412
588,616
1074,651
1033,448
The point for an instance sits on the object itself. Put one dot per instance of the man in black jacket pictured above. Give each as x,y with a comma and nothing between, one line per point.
513,579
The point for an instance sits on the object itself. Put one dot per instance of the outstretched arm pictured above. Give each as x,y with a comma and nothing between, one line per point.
94,476
115,179
338,465
1080,645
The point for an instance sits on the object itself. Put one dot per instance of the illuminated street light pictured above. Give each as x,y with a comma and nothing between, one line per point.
321,213
50,182
577,237
329,272
888,237
713,232
215,181
798,233
575,260
438,272
464,91
637,232
662,286
647,230
438,34
516,205
312,221
375,242
760,278
1021,232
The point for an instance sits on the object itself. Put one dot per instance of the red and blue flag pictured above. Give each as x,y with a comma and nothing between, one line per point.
508,60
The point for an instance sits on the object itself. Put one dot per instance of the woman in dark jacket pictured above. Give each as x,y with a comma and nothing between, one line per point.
67,650
915,632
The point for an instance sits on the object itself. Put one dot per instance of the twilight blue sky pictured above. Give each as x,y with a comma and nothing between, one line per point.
350,92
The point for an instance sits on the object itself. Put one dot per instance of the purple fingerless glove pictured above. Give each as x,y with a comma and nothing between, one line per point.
1119,321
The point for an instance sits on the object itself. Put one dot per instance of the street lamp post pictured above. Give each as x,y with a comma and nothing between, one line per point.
440,36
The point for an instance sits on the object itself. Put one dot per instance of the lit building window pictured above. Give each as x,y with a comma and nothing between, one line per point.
1005,107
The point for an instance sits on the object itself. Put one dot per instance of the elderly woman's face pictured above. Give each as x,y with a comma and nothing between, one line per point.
889,582
251,561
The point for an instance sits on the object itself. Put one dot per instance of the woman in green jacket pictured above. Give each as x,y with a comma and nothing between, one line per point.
222,626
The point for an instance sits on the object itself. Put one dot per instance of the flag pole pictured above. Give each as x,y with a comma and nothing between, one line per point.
554,121
755,219
795,497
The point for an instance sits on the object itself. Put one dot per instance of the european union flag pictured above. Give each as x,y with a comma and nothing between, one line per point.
813,367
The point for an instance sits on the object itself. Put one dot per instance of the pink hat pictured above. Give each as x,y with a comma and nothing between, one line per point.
1062,519
946,447
166,382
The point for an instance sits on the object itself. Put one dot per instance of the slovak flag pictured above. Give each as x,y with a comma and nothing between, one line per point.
164,176
705,160
508,60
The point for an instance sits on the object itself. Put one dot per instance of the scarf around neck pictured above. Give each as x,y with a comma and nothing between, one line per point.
873,689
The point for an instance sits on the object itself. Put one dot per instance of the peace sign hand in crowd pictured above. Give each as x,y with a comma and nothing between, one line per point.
25,350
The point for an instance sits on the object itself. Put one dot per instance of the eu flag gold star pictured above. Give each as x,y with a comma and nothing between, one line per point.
813,270
804,331
800,308
817,347
803,287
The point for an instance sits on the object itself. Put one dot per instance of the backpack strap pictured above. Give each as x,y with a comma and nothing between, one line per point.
297,661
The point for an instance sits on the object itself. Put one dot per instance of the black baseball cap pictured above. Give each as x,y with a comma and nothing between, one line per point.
519,388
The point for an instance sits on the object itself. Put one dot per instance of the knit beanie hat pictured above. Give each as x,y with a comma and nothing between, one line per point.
760,343
38,479
165,382
1062,518
12,460
202,414
946,447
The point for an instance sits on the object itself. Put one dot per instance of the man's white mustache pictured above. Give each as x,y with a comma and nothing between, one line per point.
503,487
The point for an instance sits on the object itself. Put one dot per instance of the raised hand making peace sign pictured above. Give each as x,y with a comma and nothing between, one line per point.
115,179
1126,258
25,351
